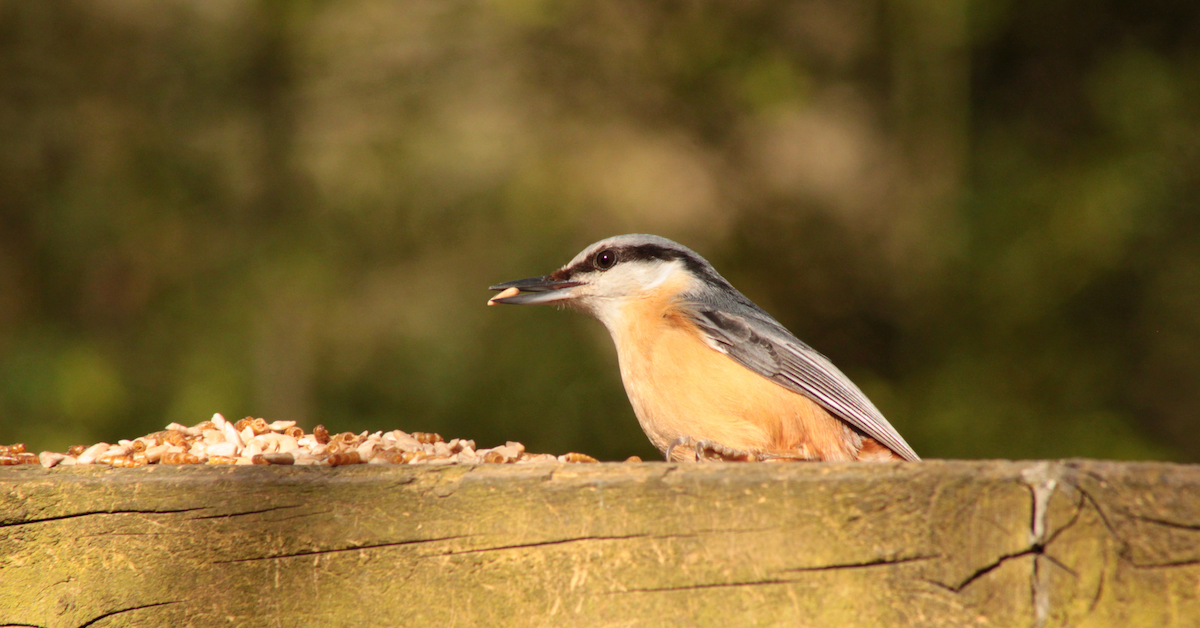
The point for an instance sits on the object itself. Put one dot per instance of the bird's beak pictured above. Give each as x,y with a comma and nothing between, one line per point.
533,291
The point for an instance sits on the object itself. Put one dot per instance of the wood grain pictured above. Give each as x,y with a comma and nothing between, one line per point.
940,543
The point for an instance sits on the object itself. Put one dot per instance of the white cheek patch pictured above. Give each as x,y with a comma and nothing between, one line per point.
652,277
664,273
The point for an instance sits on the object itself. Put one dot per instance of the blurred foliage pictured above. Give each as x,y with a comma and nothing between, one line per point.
985,212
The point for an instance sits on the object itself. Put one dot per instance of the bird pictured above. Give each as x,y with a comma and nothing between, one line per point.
710,375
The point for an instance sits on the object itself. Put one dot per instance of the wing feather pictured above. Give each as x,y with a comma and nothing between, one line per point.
761,344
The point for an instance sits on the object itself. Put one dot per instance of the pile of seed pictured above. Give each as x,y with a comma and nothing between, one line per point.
254,441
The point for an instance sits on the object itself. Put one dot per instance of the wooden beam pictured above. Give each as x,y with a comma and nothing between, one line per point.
939,543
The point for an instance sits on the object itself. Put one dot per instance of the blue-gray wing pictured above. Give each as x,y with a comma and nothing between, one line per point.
764,346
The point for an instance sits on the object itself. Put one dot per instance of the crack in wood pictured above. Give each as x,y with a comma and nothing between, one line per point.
336,550
1099,589
1070,522
982,571
1191,562
714,585
1165,522
1112,530
247,512
1042,479
498,548
75,515
883,562
1057,563
302,515
1124,548
870,563
67,580
125,610
581,539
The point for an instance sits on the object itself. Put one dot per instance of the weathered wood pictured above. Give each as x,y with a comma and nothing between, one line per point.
937,543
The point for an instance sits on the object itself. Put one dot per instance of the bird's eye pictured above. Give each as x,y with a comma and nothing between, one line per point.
606,259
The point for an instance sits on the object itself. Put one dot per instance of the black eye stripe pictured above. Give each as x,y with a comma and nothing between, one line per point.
642,252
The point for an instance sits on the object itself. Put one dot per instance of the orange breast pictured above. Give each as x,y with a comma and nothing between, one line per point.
681,387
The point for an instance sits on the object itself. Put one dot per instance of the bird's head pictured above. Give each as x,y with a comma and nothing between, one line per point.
614,271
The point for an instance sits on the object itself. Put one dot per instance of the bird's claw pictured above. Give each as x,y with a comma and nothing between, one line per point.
707,450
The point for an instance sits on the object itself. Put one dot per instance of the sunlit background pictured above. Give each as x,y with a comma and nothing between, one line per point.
987,213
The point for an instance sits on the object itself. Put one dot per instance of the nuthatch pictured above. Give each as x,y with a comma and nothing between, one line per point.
711,375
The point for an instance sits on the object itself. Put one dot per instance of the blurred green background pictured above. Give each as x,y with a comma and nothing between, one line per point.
985,212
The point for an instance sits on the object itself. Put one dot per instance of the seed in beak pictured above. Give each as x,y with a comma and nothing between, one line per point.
511,292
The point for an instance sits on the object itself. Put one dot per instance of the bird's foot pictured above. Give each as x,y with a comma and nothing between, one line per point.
682,441
707,450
